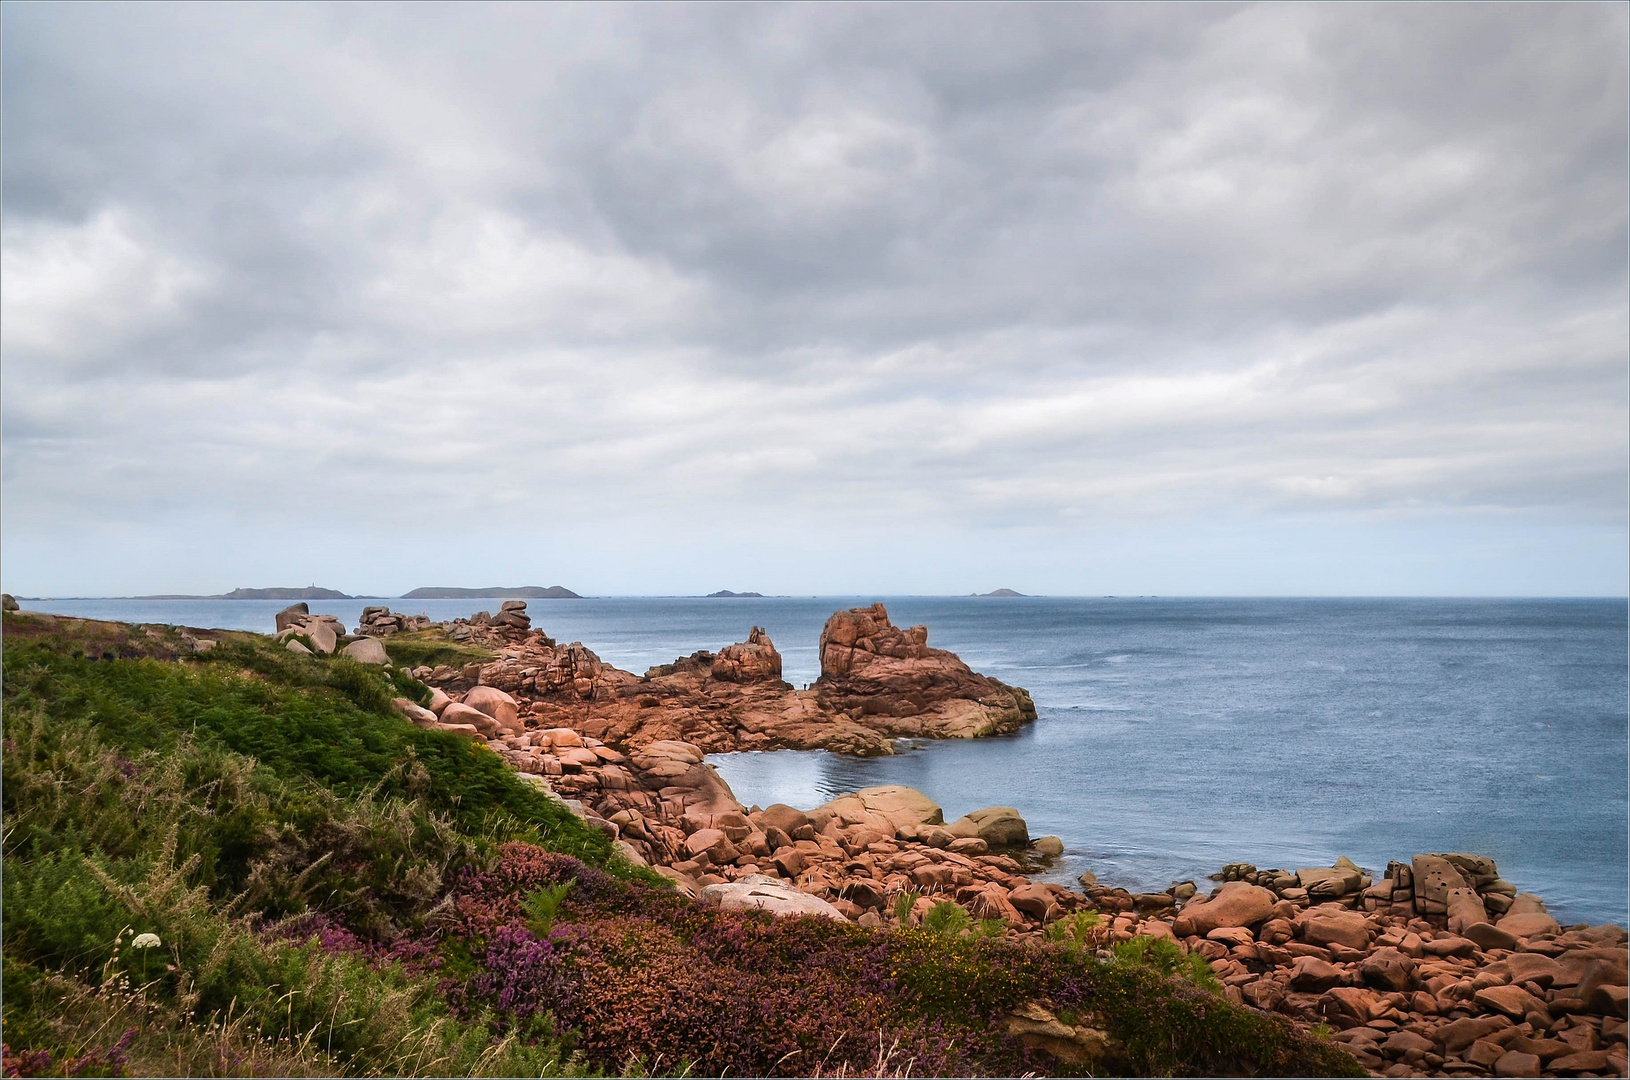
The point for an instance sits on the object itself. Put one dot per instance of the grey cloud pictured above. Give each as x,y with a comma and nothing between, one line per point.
919,266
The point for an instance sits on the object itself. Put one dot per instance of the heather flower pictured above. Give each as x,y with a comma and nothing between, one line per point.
522,974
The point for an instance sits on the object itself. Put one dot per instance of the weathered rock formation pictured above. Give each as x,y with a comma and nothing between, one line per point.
754,660
382,622
1375,959
878,682
307,633
890,679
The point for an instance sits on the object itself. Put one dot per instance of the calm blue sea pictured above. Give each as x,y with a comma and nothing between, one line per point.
1176,735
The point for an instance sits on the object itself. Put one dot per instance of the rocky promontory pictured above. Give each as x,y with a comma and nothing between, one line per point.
877,682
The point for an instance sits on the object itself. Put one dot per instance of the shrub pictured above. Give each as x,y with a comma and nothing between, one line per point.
1079,934
1168,959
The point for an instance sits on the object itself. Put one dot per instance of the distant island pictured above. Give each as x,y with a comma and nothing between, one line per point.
310,592
524,592
998,592
728,595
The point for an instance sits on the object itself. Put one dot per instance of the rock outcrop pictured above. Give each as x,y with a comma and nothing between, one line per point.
754,660
1364,955
314,633
382,622
878,682
998,826
890,679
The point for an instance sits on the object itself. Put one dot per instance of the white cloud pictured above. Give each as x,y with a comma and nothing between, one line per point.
72,290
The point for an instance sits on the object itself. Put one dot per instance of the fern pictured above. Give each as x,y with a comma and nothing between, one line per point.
542,906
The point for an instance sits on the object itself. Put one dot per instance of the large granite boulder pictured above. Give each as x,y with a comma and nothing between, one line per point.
762,893
458,714
290,615
998,826
885,809
1332,924
1434,877
667,758
420,715
366,651
888,677
754,660
496,704
1236,903
1526,924
1465,910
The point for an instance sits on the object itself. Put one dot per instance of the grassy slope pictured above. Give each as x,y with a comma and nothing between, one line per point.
339,891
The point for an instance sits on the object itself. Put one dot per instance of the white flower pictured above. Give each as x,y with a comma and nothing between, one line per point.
146,941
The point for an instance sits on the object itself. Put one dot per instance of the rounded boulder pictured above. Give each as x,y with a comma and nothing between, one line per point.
1236,904
998,826
366,650
496,704
457,714
759,892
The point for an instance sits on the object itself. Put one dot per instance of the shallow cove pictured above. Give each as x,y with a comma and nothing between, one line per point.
1178,735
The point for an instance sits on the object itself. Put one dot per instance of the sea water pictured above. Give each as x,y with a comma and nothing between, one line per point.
1176,735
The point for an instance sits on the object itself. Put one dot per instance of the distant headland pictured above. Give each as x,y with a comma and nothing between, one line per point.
728,595
314,592
310,592
524,592
998,592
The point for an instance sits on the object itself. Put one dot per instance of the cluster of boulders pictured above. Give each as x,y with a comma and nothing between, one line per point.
303,632
857,854
878,683
1424,984
512,622
1464,890
307,634
382,622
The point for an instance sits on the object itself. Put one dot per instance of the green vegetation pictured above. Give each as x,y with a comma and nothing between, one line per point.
210,800
241,861
1079,934
950,919
430,648
542,905
1164,955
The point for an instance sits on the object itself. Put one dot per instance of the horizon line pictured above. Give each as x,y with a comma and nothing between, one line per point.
160,597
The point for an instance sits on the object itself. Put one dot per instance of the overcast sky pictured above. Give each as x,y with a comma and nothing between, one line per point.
821,299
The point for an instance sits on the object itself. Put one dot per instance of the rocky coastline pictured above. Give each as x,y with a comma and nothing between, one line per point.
1434,967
